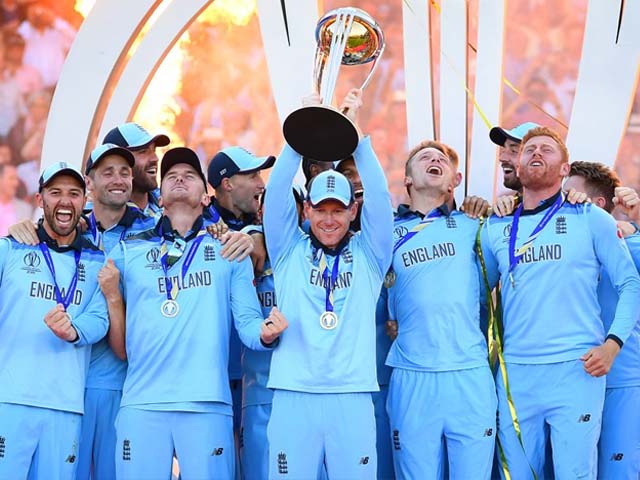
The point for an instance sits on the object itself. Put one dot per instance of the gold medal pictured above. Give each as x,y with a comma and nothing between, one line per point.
390,278
169,308
328,320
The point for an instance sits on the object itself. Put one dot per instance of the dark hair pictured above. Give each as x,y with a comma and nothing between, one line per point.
599,178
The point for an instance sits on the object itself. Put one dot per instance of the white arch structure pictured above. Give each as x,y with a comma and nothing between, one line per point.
102,83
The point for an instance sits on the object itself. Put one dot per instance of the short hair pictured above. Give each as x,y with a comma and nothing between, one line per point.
599,178
442,147
546,132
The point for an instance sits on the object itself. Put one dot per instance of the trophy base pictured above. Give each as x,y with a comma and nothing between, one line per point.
321,133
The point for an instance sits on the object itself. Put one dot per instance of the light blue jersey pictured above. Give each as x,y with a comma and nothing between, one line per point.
310,358
625,371
255,364
557,278
184,358
33,357
106,370
436,297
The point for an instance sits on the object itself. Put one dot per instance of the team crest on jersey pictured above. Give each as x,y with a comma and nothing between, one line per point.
561,225
347,256
153,259
209,253
400,232
31,262
82,273
451,222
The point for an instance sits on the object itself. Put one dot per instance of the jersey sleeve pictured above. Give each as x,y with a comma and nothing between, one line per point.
5,248
613,254
377,212
633,244
92,324
247,314
280,213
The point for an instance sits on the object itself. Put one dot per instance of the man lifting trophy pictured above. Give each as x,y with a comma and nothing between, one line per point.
345,36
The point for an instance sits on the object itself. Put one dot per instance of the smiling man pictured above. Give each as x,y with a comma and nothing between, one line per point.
143,146
327,284
550,255
181,298
441,391
53,310
509,142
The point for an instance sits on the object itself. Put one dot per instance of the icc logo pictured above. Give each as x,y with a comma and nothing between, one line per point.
400,232
507,231
152,258
31,262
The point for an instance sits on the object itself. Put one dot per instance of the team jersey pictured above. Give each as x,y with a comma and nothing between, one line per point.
625,371
38,368
184,358
552,313
236,224
383,342
436,294
153,208
310,358
105,369
255,364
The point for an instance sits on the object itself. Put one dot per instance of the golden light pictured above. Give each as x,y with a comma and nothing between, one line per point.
234,12
83,7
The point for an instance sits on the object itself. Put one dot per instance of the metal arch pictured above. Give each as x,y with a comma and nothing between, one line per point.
91,70
148,56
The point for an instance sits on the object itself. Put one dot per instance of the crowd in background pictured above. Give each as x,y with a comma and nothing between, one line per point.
225,94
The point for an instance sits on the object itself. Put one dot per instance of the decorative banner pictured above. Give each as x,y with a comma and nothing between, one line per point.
481,172
90,72
606,82
453,80
146,59
288,33
417,71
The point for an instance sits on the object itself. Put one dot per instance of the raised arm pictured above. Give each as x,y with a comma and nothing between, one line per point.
280,214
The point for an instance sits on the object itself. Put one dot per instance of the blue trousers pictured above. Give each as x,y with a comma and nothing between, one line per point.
310,431
383,435
619,448
431,410
556,401
146,441
38,443
98,435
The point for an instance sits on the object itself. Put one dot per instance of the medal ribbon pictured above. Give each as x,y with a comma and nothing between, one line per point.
329,282
96,234
66,301
494,340
426,221
171,285
516,255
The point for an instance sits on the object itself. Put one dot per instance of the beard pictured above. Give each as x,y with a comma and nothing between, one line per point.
538,178
143,182
63,231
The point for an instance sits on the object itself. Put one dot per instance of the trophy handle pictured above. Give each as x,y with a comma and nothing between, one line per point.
374,65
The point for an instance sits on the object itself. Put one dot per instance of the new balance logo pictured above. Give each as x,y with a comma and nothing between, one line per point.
283,469
396,440
364,460
584,418
488,432
126,450
2,446
209,253
616,457
561,225
217,452
451,222
71,458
